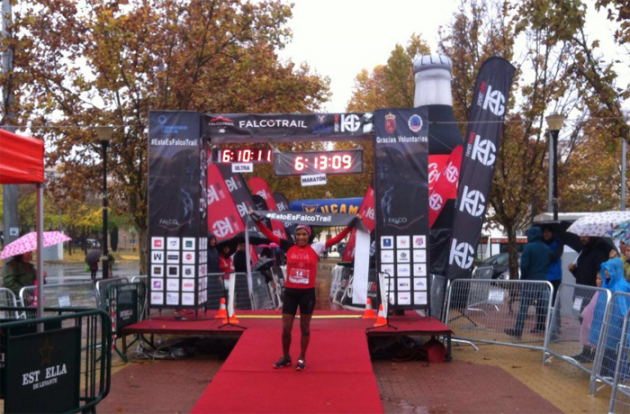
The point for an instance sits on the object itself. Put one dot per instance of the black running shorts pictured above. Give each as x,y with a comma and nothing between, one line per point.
304,298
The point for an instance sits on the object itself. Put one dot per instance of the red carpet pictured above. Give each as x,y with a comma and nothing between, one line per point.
338,377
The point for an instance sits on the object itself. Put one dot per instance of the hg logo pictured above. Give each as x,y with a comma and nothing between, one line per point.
473,201
452,173
462,254
350,123
483,151
435,202
494,101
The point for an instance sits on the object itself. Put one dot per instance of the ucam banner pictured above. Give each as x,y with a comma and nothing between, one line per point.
483,136
401,148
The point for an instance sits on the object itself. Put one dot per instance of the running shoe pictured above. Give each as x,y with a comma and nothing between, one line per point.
284,361
301,365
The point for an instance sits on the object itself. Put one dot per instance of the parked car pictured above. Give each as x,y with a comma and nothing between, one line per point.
500,265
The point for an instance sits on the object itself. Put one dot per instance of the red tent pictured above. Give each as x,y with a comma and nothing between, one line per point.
21,159
22,162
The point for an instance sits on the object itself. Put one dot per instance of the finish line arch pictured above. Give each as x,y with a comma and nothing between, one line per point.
178,195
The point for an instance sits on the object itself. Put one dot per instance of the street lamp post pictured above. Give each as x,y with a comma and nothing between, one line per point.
105,135
554,122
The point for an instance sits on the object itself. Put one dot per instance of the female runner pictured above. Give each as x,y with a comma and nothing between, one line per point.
299,285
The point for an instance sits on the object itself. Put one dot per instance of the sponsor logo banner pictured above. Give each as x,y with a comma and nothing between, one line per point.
241,199
286,126
178,199
483,135
401,201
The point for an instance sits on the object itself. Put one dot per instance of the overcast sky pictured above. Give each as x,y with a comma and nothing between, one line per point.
339,38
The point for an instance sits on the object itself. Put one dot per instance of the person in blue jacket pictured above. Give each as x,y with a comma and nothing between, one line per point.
554,276
612,279
535,260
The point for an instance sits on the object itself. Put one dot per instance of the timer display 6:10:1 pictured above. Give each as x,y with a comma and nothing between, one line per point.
245,155
318,162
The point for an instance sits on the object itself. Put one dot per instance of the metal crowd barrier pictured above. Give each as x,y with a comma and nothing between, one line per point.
620,393
144,314
341,284
102,289
336,281
91,327
277,272
8,299
478,294
253,294
65,295
609,334
466,313
439,287
570,324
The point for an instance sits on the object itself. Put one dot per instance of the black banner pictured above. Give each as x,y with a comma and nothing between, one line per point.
178,232
401,150
483,136
43,372
226,128
312,219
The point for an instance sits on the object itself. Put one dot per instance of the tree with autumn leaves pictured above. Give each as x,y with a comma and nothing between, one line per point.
559,70
108,62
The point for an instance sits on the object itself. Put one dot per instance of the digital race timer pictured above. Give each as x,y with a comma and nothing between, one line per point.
247,155
318,162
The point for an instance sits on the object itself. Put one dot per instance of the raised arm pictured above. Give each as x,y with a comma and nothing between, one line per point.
340,236
266,232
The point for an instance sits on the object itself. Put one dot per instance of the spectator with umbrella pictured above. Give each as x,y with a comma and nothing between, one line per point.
18,271
91,260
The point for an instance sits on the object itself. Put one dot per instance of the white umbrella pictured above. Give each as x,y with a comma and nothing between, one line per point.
598,224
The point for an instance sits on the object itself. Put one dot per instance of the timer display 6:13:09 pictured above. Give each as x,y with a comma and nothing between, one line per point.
331,162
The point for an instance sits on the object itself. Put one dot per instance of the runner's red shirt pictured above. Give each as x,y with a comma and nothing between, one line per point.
302,265
302,261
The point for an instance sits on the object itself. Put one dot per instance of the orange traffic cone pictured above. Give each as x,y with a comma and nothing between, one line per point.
369,312
232,320
221,313
380,320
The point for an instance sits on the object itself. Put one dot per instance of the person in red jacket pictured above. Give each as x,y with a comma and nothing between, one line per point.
226,266
299,285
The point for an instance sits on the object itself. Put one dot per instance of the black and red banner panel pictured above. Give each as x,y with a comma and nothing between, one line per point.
401,149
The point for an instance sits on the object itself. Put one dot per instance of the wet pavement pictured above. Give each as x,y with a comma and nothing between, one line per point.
71,273
494,379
